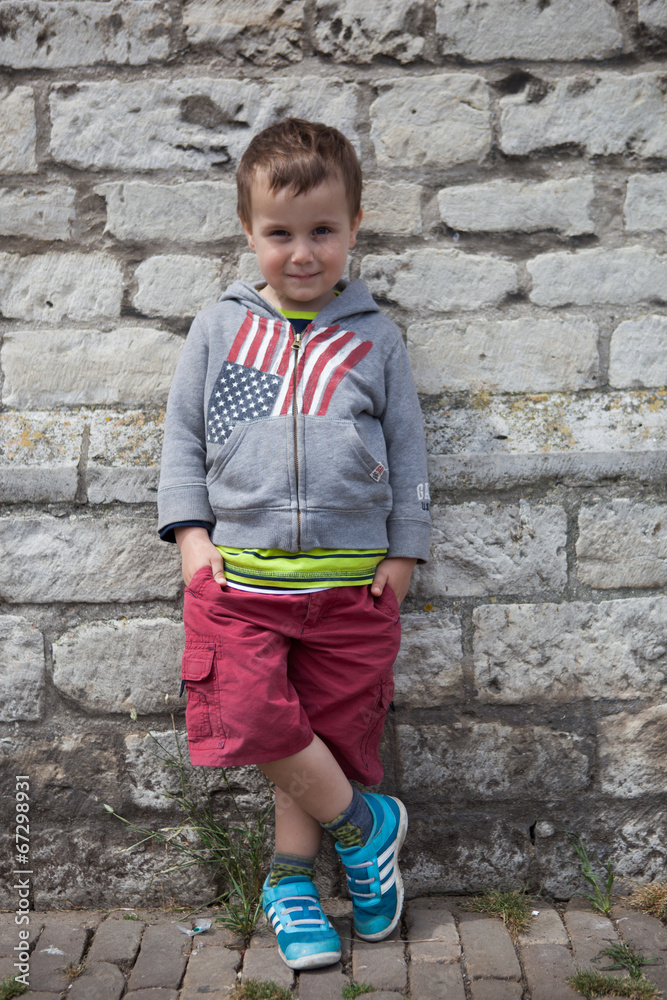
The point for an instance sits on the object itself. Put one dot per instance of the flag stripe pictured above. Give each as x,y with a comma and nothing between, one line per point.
352,359
239,340
314,375
256,343
265,363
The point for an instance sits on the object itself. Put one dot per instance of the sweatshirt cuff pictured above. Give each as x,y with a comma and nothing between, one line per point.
167,533
408,539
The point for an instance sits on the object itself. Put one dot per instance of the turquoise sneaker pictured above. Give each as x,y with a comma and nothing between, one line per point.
373,876
306,939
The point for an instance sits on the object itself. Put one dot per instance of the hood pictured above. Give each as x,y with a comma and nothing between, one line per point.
354,299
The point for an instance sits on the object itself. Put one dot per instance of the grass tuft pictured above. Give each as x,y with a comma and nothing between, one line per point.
73,970
625,957
235,853
513,906
354,990
651,898
260,989
596,984
10,988
600,897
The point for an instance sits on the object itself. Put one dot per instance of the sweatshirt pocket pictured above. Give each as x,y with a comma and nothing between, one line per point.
340,472
252,470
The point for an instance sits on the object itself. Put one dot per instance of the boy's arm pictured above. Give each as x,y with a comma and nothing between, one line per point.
197,550
394,573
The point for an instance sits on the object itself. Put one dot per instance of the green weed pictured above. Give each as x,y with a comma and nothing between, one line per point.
513,906
10,988
353,990
235,854
131,916
600,898
73,970
625,957
259,989
596,984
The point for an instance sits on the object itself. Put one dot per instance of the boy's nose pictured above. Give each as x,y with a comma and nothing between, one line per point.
302,252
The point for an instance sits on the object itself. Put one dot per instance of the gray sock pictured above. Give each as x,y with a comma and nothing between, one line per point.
353,827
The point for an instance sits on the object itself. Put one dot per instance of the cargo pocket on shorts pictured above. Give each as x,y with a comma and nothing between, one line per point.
371,741
202,711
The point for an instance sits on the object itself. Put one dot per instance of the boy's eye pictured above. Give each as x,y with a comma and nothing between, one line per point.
278,232
322,231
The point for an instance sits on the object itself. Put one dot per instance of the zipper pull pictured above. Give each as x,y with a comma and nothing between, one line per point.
296,343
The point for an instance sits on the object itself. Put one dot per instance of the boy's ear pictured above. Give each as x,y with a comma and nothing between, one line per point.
354,228
248,233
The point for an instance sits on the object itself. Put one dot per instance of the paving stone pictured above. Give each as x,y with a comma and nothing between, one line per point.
322,984
266,963
642,932
162,958
546,967
61,942
9,931
211,971
99,981
516,29
488,948
380,963
432,933
31,995
545,928
431,121
117,940
589,932
435,981
495,989
154,994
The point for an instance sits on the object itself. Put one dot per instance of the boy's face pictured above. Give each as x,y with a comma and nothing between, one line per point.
301,242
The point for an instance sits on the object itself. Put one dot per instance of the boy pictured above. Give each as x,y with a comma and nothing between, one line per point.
293,480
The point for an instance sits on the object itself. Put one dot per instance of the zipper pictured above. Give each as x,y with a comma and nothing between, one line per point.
296,344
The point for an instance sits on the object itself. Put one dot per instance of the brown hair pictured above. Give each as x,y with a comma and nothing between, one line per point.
298,155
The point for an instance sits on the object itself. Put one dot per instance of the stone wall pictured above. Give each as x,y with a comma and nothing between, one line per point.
515,156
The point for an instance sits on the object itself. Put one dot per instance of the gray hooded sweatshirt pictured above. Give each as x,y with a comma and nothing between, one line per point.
296,442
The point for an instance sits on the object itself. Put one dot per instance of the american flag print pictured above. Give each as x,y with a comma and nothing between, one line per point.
257,379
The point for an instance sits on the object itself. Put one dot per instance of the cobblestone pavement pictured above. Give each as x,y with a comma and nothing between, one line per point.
440,952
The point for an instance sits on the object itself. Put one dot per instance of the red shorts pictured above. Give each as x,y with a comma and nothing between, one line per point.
263,673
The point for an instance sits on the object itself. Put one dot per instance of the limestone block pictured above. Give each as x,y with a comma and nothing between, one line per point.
124,455
57,286
260,31
429,667
18,130
554,427
44,213
513,29
513,355
392,208
566,652
39,455
633,755
128,365
602,113
652,14
645,208
194,123
431,121
492,761
354,31
201,211
177,284
522,206
439,280
622,544
638,352
153,778
82,558
248,268
49,35
21,670
479,549
592,277
117,666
